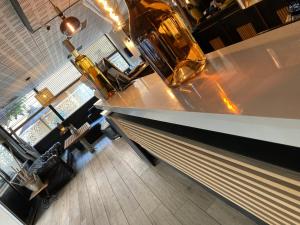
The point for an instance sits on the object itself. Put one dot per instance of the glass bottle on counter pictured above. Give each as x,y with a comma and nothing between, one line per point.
91,71
164,41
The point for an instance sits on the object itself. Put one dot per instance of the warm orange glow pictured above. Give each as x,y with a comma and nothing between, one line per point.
231,106
171,94
103,4
45,97
185,90
106,7
72,29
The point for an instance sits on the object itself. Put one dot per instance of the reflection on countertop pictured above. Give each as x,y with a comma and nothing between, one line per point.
258,77
250,89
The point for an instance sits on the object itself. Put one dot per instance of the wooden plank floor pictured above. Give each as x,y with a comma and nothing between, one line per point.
115,187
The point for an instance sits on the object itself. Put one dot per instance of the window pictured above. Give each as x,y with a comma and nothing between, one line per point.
7,161
30,121
118,61
103,48
43,122
8,166
100,49
38,126
18,111
22,109
72,99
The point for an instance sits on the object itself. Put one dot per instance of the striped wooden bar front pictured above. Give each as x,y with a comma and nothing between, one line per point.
269,192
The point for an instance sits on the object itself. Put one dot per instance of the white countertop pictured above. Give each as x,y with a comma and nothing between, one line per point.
251,89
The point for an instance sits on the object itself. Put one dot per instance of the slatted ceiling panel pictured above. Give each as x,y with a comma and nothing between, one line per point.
246,31
217,43
41,11
283,14
270,193
50,44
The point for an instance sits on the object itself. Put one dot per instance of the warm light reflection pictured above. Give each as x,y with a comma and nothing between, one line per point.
185,90
230,105
233,108
171,94
274,58
72,29
103,4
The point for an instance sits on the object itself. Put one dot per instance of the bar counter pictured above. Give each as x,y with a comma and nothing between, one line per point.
235,128
250,89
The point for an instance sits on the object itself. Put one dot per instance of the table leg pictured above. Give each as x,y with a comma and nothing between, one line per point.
87,145
48,199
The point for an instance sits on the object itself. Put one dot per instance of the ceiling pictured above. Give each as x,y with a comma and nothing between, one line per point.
37,55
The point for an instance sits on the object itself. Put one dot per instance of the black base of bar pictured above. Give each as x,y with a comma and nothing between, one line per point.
141,152
152,159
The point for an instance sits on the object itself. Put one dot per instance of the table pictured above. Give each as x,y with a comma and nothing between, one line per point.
35,193
80,137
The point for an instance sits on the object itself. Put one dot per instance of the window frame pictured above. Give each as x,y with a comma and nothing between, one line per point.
54,106
23,123
15,130
118,52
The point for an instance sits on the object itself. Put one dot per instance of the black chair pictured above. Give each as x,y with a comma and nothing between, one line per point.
94,114
50,168
94,119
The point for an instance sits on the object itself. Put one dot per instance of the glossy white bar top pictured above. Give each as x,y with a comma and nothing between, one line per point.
251,89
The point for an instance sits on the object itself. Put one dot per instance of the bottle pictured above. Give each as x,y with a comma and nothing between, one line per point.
164,41
91,71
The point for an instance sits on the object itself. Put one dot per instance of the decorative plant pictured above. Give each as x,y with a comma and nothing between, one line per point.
14,110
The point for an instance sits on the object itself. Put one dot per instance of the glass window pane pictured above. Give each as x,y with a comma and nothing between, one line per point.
7,161
19,110
100,49
73,99
2,186
118,61
50,119
38,127
34,133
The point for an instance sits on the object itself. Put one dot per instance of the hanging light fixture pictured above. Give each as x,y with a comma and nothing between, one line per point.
69,25
45,97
